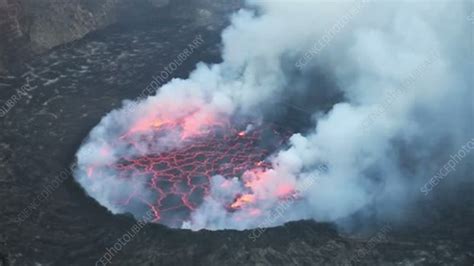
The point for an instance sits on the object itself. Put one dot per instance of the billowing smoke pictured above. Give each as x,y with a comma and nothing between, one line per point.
403,68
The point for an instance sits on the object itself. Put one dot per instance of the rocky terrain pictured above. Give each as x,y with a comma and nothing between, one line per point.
32,27
47,219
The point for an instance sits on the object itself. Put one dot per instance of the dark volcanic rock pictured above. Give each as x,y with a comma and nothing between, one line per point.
32,27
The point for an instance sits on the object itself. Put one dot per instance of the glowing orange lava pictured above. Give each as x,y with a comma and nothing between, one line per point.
177,179
243,200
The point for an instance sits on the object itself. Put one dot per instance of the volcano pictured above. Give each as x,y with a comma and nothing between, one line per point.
192,157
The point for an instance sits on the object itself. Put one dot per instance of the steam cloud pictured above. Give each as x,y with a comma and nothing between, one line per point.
404,69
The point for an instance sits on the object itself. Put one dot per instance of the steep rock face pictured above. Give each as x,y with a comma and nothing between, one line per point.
32,27
50,23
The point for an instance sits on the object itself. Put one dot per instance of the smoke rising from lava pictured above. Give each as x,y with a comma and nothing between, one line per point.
402,67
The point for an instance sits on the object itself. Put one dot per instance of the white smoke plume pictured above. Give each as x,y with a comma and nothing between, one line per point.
404,69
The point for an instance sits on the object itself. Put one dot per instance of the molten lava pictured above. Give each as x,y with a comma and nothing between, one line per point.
178,177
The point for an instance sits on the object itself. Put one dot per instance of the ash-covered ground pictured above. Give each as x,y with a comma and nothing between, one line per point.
67,91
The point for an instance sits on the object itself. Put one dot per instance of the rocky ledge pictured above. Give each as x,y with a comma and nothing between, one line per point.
32,27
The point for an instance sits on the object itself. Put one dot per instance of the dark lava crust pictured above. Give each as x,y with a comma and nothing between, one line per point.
40,135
